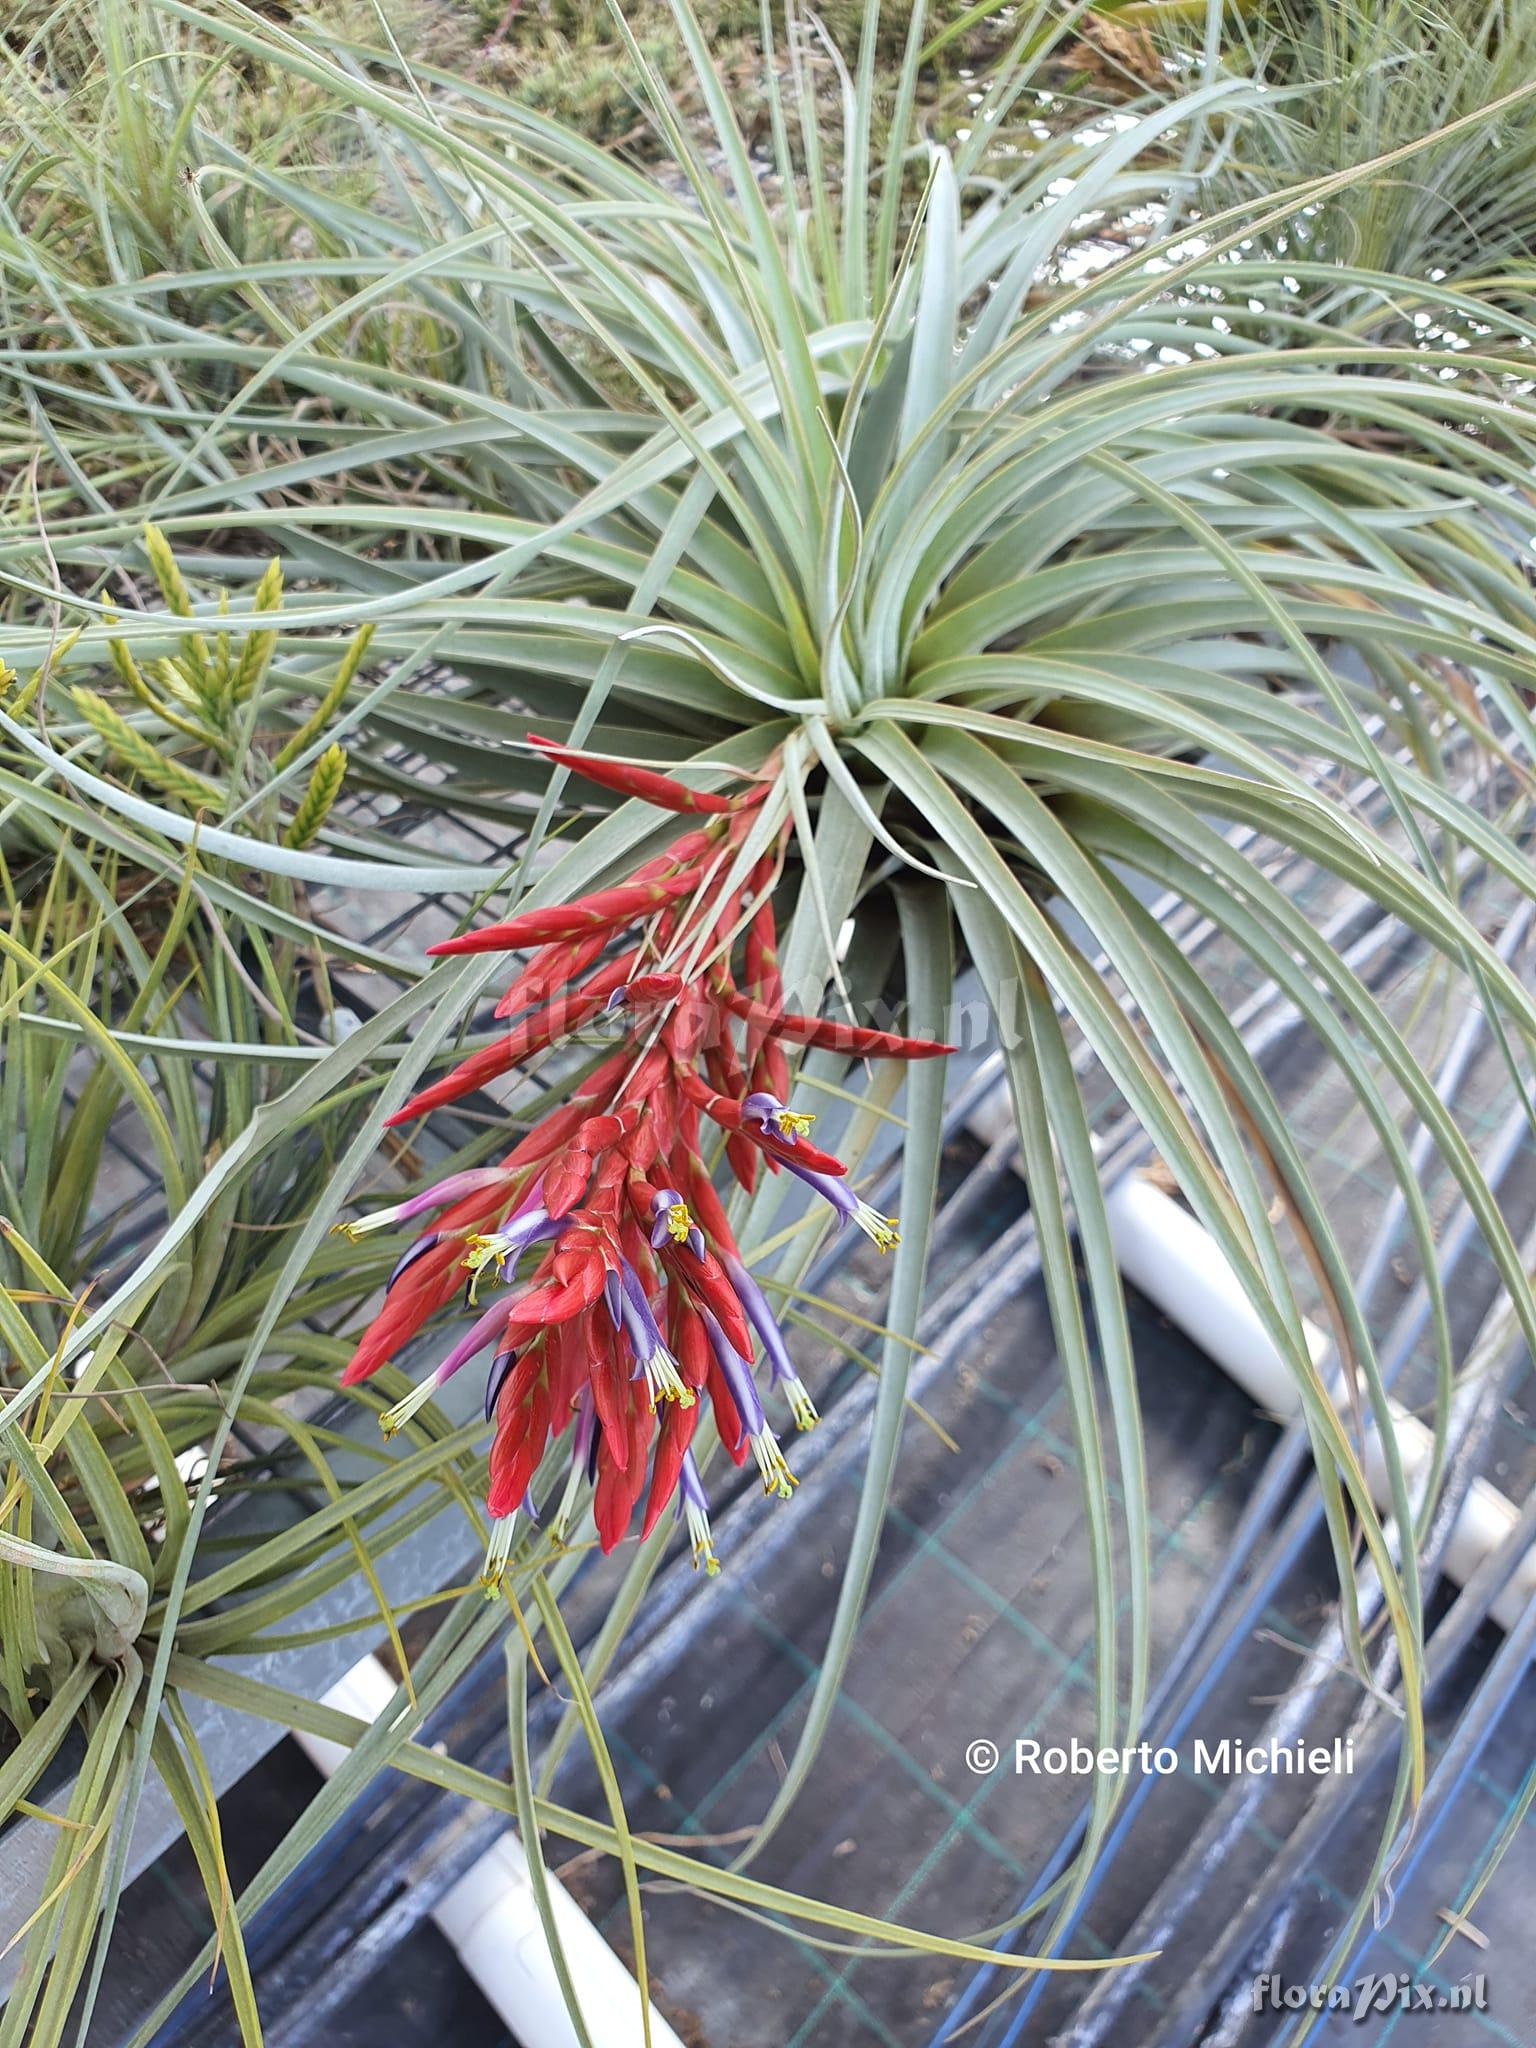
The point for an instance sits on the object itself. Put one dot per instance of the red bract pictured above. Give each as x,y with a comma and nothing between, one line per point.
829,1034
664,791
603,910
629,1302
554,968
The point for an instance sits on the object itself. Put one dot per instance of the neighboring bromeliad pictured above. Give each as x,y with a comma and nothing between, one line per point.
627,1297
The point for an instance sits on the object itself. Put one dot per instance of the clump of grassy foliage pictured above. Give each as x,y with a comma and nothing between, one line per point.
1349,81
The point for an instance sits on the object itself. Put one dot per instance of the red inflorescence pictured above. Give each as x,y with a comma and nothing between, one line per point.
634,1301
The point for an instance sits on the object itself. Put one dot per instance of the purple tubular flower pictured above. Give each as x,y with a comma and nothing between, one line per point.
693,1508
530,1224
774,1119
652,1358
669,1214
635,1317
407,1259
737,1374
880,1230
690,1487
453,1189
584,1430
670,1221
761,1317
780,1366
769,1114
496,1378
583,1463
829,1187
474,1339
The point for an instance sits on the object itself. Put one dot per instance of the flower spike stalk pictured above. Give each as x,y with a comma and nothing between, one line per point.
627,1303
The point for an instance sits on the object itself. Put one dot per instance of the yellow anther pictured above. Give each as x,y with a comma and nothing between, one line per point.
664,1382
498,1554
394,1418
882,1231
801,1406
482,1250
776,1475
704,1558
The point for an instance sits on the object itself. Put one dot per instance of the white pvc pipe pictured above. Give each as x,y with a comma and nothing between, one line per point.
491,1919
1165,1253
1162,1250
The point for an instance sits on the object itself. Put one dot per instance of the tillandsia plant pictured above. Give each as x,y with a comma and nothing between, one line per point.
151,1015
1348,81
638,1300
986,534
205,698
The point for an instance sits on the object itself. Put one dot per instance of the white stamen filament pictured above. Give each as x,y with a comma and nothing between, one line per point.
664,1380
702,1541
395,1418
801,1406
565,1514
880,1230
497,1553
364,1226
777,1477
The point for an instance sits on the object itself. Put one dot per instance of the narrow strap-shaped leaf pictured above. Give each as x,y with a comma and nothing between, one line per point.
185,1777
1016,991
528,1824
597,1748
292,1710
1255,1258
927,951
